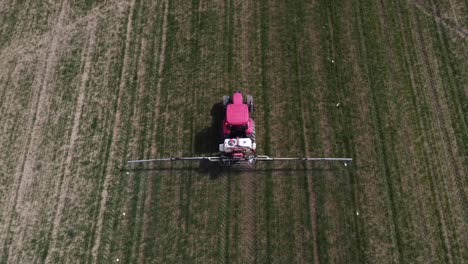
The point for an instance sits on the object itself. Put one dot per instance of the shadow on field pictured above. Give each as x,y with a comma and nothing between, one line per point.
207,140
214,170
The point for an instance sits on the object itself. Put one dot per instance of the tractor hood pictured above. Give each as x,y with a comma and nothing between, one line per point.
237,114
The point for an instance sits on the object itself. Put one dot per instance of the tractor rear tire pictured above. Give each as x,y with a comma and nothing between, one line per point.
250,103
225,101
252,135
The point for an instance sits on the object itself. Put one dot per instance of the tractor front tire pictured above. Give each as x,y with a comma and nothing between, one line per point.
250,103
225,101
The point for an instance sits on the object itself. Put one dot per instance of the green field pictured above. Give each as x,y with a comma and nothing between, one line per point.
87,85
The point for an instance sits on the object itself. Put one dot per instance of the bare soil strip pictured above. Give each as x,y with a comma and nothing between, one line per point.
67,175
35,40
38,115
115,135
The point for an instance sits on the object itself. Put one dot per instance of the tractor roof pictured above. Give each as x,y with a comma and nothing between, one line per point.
237,114
237,98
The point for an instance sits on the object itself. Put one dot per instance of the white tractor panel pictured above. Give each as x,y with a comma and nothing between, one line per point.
245,142
231,143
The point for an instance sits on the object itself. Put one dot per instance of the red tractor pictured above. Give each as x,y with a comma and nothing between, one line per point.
238,137
238,127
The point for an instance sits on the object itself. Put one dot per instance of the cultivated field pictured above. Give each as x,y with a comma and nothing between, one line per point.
87,85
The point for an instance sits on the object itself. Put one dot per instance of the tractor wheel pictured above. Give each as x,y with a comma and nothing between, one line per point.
225,101
252,135
250,103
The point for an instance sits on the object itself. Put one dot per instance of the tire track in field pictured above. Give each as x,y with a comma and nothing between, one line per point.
418,188
402,145
149,187
456,207
407,197
297,67
434,97
421,124
450,150
350,53
454,14
115,136
278,190
313,212
249,179
137,145
459,30
130,187
372,72
438,193
37,118
329,90
305,143
6,82
362,134
129,77
342,75
248,216
394,155
225,195
246,53
264,45
67,174
223,235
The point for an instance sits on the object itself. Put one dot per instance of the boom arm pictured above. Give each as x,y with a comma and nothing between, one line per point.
266,158
228,160
213,159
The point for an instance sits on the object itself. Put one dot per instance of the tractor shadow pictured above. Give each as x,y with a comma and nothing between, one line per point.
215,171
208,139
